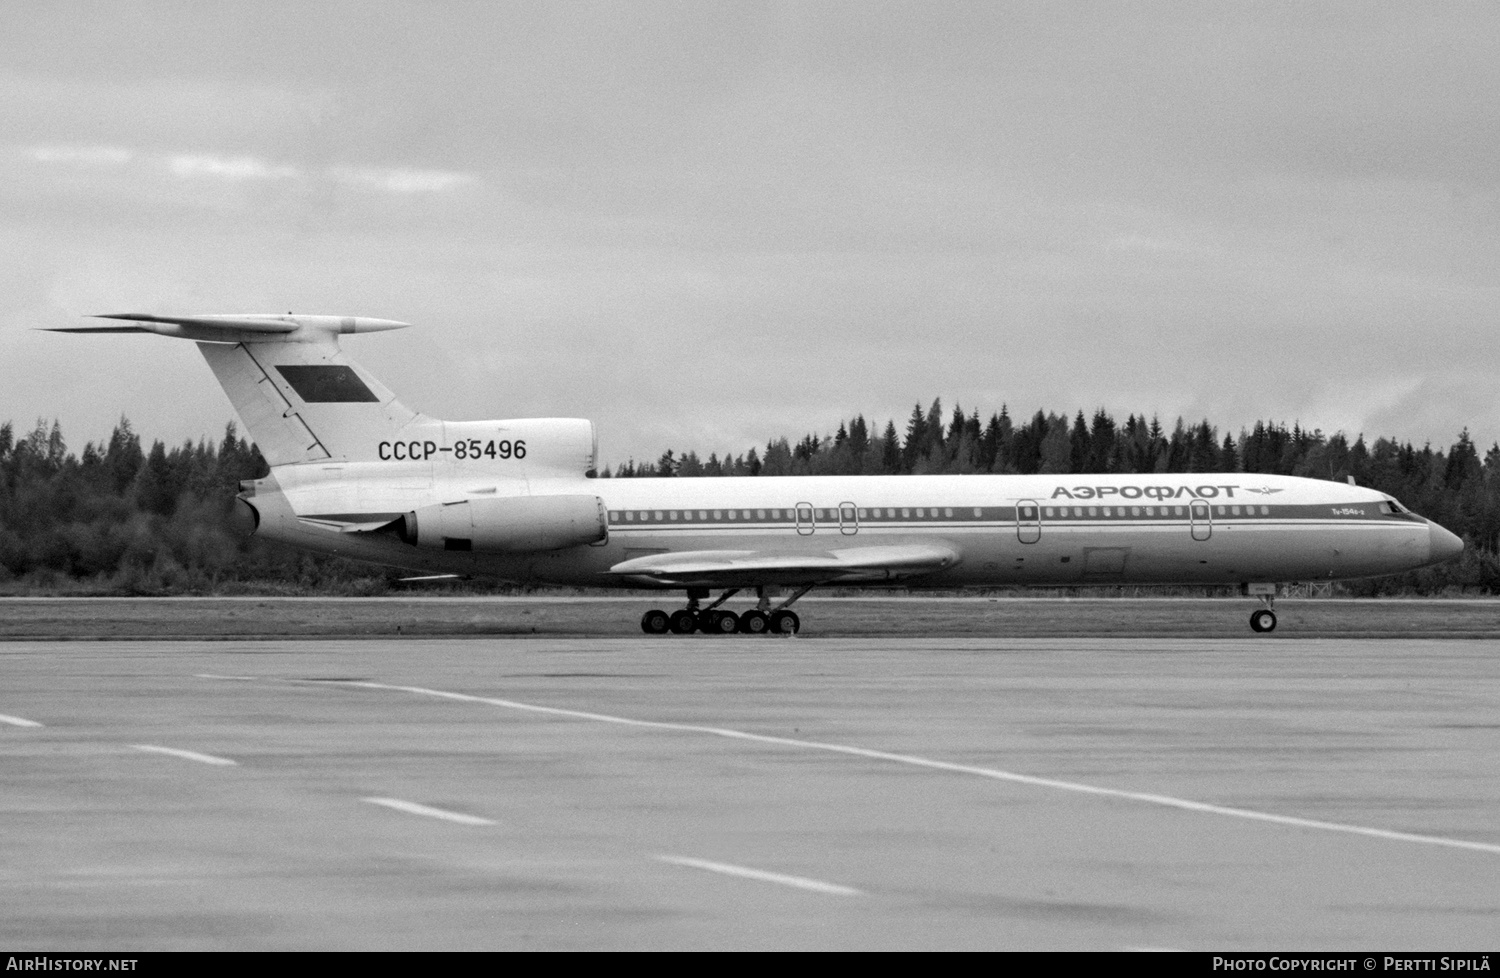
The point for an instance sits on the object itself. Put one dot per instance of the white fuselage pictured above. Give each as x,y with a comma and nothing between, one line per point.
1209,528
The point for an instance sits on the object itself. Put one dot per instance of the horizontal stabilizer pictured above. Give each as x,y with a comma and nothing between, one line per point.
744,567
248,328
253,324
98,329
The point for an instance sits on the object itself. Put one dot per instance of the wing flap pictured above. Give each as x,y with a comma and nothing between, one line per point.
732,567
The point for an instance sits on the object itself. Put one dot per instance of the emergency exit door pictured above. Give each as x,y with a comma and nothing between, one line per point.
1028,521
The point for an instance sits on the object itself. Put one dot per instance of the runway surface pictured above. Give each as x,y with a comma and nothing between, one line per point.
687,792
877,616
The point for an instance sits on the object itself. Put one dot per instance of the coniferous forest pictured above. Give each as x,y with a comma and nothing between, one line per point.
116,518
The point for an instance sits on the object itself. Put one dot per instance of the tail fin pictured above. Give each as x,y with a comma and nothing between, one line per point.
300,398
303,402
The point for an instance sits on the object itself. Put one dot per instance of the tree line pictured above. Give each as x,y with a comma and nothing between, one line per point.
118,518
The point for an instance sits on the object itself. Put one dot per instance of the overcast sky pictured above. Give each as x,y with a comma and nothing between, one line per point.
707,224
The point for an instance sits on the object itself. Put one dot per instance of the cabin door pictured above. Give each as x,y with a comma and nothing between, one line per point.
1201,518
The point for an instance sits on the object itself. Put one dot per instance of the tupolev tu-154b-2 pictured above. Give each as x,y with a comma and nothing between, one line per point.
355,473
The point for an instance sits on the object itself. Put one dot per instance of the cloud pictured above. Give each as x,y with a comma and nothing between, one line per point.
243,168
400,181
229,168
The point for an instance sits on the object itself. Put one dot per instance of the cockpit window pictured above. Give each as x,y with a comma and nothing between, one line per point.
1391,506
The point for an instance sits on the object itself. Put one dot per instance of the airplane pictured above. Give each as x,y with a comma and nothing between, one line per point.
357,474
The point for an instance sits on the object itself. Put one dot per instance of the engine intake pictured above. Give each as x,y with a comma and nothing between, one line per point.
246,518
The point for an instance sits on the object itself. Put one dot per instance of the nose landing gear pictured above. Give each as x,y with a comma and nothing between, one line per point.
1264,619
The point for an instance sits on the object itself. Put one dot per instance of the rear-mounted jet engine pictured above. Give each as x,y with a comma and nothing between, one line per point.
513,524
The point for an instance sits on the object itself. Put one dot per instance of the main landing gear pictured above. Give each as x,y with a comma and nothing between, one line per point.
711,620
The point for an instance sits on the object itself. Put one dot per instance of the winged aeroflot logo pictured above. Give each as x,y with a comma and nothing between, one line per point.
1263,490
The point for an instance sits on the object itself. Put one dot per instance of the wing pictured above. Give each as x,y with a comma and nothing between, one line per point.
730,568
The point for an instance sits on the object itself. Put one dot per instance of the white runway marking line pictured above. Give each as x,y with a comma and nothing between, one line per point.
187,755
745,872
18,721
412,808
1165,801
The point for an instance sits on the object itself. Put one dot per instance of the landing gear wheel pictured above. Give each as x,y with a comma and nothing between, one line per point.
1263,621
785,622
718,623
754,623
684,622
655,622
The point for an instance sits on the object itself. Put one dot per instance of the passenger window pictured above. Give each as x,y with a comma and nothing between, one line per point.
1047,512
658,515
1093,511
978,512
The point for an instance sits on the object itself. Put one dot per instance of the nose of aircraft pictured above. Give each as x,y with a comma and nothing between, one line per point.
1442,545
